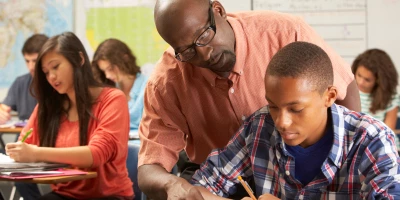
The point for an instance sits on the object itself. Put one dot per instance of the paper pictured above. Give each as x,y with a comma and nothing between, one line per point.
5,159
41,174
9,124
24,173
13,124
9,165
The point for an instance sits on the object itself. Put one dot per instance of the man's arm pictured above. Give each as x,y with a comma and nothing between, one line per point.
352,99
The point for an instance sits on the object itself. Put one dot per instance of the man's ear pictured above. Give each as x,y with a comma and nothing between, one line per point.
82,58
330,96
217,6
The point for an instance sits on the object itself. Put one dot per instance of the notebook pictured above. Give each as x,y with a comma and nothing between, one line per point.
40,174
9,165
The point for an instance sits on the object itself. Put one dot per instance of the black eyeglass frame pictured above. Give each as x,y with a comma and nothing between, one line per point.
212,26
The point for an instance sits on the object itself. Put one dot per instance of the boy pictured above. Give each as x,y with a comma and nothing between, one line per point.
19,98
302,145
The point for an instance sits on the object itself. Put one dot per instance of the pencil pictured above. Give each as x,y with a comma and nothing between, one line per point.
26,135
247,188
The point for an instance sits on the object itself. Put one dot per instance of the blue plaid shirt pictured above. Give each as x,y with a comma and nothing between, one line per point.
362,164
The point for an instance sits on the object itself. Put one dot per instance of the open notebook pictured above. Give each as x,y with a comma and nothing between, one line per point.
9,165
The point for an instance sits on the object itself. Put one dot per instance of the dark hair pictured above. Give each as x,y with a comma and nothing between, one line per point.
34,43
380,64
118,54
303,60
50,102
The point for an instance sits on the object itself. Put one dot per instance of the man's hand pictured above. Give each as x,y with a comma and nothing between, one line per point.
180,189
5,115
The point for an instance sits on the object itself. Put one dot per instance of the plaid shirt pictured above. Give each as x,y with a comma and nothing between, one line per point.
362,163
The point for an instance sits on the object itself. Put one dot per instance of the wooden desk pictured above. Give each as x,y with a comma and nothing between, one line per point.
14,130
11,130
54,179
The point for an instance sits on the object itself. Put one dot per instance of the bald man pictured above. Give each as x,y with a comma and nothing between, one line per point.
209,81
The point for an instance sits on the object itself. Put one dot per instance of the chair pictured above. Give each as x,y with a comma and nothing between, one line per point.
131,164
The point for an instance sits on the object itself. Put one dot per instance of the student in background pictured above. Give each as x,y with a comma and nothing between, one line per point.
210,81
18,97
115,64
77,122
377,80
302,145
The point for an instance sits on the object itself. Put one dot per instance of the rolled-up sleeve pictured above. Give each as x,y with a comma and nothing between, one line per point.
162,129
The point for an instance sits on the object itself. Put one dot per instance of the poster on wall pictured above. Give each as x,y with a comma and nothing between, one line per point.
19,19
130,21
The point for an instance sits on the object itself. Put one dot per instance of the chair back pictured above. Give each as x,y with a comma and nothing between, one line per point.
131,164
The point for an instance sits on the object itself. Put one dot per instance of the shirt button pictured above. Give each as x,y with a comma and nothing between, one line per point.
232,90
243,117
287,172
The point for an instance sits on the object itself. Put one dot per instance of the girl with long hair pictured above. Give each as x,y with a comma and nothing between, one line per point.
377,80
77,121
114,64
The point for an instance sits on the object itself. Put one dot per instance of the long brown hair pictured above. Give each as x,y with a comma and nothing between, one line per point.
118,54
50,102
380,64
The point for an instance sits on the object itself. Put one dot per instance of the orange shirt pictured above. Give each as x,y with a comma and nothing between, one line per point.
108,142
191,107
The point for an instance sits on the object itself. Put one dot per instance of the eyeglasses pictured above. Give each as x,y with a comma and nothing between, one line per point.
205,38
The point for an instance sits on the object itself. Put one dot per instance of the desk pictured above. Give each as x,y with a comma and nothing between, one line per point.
14,130
54,179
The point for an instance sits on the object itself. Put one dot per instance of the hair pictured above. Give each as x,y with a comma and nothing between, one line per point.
380,64
50,102
303,60
119,55
34,43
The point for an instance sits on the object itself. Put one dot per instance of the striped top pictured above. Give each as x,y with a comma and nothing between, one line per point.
362,163
366,101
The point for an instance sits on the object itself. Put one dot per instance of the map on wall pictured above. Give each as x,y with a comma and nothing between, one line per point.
19,19
130,21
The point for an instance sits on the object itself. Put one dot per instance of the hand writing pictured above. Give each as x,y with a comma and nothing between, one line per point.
22,152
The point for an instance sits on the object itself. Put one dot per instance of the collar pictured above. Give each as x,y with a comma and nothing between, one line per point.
240,44
336,152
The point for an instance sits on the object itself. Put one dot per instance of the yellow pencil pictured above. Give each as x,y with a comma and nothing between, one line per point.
26,135
247,188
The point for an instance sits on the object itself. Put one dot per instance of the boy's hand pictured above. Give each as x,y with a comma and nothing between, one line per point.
4,113
263,197
22,152
267,197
